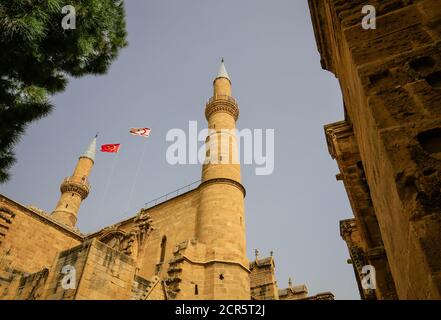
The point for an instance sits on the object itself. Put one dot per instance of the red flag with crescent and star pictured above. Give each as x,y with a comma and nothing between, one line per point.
113,148
143,132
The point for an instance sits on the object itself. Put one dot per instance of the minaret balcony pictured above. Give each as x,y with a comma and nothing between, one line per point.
222,103
77,185
222,97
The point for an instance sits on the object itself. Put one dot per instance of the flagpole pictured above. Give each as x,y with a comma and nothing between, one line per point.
109,177
141,160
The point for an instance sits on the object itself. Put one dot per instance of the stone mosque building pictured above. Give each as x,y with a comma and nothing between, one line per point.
388,151
188,247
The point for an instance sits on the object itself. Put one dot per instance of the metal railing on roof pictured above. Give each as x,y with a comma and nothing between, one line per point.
172,194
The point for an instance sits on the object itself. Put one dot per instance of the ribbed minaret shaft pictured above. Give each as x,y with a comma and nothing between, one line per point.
75,189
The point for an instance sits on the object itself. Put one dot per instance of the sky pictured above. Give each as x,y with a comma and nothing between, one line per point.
162,80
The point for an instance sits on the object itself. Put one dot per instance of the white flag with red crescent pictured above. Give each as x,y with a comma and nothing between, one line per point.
143,132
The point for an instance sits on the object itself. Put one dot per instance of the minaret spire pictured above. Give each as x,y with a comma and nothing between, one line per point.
75,189
222,83
222,73
91,149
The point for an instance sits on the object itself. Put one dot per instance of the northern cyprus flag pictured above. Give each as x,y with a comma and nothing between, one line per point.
143,132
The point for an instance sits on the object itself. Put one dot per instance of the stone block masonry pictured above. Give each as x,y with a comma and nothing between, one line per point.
390,79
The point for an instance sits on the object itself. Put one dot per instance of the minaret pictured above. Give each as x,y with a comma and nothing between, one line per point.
221,220
75,188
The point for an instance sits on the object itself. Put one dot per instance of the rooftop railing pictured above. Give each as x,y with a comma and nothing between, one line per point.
172,194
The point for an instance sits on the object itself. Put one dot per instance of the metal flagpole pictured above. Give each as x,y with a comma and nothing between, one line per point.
141,160
109,177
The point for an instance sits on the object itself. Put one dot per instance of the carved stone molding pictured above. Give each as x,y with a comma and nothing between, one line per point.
129,242
72,185
226,181
143,225
347,227
357,257
222,105
334,132
119,240
376,253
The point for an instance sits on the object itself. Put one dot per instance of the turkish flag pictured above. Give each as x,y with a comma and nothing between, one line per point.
114,148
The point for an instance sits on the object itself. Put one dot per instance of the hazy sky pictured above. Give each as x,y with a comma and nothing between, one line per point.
162,80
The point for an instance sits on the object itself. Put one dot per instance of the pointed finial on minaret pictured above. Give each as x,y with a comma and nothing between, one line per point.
271,253
76,188
256,253
222,73
91,150
290,282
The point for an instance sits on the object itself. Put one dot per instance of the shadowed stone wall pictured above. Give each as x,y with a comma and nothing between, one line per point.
390,79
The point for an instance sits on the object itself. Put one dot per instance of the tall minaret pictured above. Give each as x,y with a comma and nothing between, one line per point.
221,220
75,188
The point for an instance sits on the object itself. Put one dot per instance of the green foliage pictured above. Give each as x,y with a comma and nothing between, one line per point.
37,55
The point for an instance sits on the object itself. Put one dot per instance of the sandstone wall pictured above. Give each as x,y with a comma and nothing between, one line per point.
31,240
367,247
173,221
262,280
391,80
102,273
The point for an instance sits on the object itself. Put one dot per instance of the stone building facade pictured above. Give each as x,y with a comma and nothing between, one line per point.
189,247
388,147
